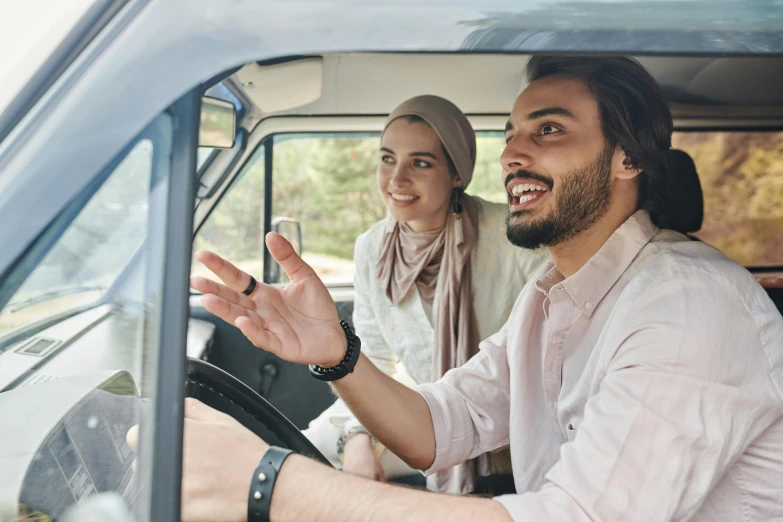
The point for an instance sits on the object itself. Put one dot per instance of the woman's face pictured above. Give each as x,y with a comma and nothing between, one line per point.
414,177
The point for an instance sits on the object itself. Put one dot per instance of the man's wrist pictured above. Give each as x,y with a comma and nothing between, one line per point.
342,342
346,366
263,481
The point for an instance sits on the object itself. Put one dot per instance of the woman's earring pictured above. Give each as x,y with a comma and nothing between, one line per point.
458,236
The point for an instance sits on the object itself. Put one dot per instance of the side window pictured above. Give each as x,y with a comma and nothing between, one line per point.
326,182
743,193
487,182
235,228
324,191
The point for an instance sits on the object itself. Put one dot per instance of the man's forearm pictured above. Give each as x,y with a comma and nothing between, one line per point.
392,412
307,490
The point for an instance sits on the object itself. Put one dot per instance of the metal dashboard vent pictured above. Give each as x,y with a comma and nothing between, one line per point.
38,347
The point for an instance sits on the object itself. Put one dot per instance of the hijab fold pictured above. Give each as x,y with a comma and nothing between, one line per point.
439,268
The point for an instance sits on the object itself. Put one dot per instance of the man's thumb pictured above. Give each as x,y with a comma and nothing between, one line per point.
286,256
197,410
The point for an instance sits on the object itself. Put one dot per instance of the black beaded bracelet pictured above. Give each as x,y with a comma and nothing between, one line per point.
263,484
348,363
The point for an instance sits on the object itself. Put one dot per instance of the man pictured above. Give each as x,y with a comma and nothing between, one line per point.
639,378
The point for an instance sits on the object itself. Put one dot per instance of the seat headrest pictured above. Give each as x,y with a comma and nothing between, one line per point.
685,208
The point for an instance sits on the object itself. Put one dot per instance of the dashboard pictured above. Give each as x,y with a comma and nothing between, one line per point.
64,441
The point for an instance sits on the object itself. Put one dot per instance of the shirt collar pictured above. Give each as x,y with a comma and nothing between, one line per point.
591,283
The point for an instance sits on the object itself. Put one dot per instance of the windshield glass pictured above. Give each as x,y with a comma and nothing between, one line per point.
92,251
80,326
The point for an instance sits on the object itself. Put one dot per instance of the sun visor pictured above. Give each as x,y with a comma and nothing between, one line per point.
282,86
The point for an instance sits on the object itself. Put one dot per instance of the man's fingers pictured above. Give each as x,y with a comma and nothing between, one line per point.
197,410
287,258
207,286
132,438
227,311
233,277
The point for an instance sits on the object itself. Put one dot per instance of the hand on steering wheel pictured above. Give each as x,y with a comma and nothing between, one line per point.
298,323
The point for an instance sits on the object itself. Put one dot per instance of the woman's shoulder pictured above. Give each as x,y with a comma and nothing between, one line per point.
494,244
490,212
492,221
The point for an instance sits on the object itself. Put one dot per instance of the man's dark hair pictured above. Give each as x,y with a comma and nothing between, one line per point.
634,115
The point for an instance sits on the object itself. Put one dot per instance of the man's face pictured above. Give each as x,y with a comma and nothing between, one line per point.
557,166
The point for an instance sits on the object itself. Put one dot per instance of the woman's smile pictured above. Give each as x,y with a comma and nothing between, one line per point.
402,200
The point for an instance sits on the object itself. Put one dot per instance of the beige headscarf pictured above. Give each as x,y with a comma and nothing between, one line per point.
409,258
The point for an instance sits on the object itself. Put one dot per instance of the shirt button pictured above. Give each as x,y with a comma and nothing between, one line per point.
588,305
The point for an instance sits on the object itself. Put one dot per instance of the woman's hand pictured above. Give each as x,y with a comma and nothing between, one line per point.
298,323
359,458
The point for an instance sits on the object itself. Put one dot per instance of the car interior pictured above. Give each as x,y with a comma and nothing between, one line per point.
302,164
710,98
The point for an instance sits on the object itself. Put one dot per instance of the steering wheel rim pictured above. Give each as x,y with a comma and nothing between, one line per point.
205,375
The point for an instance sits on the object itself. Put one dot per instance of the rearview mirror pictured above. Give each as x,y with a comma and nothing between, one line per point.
218,125
291,230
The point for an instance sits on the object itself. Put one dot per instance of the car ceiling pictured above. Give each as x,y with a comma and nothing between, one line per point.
488,83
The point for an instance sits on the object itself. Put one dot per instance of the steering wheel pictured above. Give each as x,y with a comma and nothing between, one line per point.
214,380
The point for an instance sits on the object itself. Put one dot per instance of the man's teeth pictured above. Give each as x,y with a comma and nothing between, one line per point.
402,197
525,199
525,187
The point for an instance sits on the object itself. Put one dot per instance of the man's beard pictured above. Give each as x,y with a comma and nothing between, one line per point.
580,201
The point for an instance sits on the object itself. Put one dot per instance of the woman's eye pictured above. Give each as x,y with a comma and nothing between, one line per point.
508,139
549,129
421,164
387,159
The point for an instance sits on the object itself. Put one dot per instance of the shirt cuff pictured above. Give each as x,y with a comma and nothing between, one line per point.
442,435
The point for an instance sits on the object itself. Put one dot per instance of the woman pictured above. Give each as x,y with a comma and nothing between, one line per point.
432,279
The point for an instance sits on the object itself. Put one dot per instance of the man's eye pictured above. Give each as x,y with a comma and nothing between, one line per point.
508,139
549,129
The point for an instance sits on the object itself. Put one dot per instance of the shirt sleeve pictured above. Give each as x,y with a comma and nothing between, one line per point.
685,392
469,405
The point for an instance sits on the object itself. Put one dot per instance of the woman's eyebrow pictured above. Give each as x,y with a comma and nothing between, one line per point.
424,154
418,154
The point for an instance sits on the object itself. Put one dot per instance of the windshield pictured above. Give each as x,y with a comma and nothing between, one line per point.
80,327
93,250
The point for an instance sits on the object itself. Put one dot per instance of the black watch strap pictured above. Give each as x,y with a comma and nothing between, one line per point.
263,484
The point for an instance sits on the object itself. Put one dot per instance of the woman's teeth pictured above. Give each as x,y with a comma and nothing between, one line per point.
402,197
